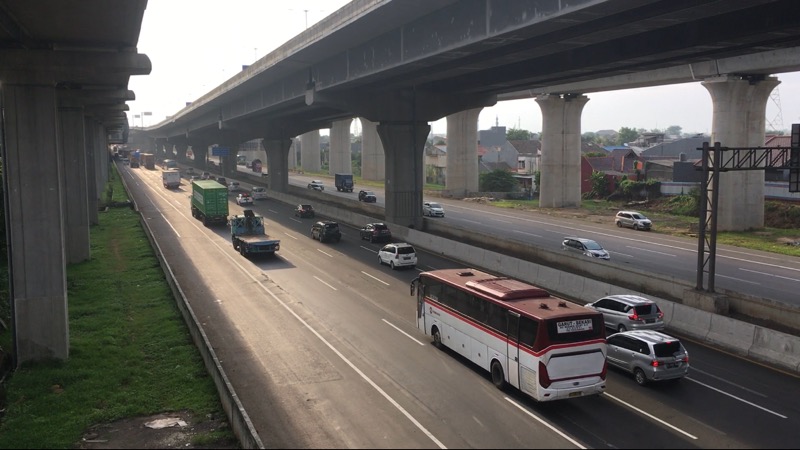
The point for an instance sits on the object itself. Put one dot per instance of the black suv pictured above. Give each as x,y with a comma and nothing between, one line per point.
375,232
303,211
326,230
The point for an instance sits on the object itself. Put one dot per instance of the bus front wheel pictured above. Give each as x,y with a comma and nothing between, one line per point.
498,378
437,338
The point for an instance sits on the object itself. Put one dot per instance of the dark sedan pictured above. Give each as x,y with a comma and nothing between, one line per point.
367,196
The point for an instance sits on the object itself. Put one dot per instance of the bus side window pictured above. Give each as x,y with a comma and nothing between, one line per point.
527,331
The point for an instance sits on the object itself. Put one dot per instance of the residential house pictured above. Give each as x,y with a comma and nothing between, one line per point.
436,164
497,158
529,155
777,174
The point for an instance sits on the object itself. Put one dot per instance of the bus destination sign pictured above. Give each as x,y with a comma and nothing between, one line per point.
573,326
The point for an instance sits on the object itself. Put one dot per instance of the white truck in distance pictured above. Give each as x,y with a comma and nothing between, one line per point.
171,178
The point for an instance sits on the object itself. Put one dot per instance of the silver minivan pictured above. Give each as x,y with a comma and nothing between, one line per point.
648,355
623,312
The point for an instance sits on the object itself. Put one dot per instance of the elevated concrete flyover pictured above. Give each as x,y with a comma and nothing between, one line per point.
402,64
64,72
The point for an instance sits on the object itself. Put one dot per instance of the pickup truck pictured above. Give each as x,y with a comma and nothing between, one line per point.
249,236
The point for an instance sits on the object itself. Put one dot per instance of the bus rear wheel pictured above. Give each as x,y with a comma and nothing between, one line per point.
498,379
437,338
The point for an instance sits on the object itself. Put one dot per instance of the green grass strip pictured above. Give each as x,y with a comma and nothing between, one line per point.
131,354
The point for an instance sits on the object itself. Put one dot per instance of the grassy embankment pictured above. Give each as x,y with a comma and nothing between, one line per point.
131,354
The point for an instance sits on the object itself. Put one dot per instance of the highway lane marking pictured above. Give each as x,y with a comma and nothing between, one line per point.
770,274
738,279
651,251
336,351
293,237
275,212
526,233
376,279
640,411
545,423
367,248
326,284
406,334
326,254
500,220
470,221
737,398
738,386
168,222
622,254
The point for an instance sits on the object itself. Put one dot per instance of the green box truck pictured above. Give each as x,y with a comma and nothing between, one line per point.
209,202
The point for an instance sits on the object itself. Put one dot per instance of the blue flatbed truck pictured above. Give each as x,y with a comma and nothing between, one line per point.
249,237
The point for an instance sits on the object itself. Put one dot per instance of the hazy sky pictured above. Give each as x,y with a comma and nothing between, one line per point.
196,45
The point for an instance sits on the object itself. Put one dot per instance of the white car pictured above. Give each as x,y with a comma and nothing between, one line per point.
244,199
258,193
432,209
398,255
234,186
316,185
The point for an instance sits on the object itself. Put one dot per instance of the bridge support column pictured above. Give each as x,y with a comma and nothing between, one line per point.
309,152
373,161
740,107
38,283
404,143
277,163
340,161
293,154
180,152
93,174
199,152
561,150
462,152
228,162
76,193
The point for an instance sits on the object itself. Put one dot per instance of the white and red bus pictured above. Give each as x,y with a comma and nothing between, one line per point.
547,347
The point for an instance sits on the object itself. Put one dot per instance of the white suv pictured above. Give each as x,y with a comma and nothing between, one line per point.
258,193
316,185
633,219
398,255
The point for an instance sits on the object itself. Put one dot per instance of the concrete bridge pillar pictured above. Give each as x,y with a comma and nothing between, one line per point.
404,143
76,192
228,162
561,150
94,188
38,281
740,107
310,159
200,153
180,152
277,163
373,159
341,161
462,152
293,154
